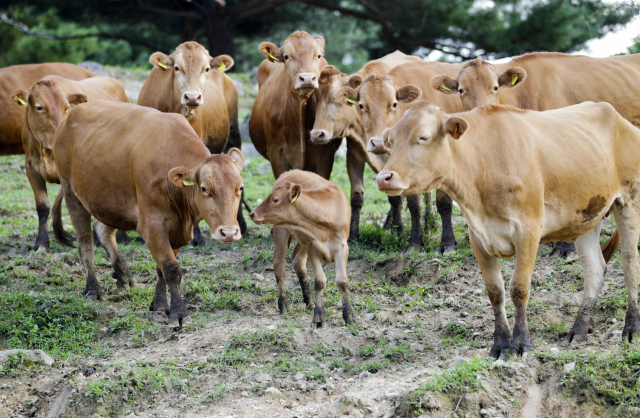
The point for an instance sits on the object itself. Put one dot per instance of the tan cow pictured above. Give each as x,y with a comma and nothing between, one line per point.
192,83
12,117
522,177
378,102
47,103
316,213
335,120
161,180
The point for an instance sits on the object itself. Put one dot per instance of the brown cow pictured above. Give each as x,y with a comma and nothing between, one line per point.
522,177
12,117
335,120
316,213
378,103
549,80
161,180
47,103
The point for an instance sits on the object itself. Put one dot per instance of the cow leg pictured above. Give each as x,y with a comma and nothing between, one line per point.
444,203
563,249
107,237
492,276
81,220
594,268
355,168
341,258
240,217
319,283
198,239
160,303
394,218
39,187
165,258
628,223
122,237
429,222
299,257
282,239
415,208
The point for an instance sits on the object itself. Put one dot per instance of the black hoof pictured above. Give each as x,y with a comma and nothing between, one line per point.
159,307
413,248
95,295
446,249
499,349
631,328
347,315
579,331
563,249
520,342
318,320
178,319
284,304
41,244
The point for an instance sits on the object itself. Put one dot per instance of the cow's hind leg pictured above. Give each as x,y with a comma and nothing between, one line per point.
198,239
492,276
81,220
341,258
444,203
394,218
355,168
122,237
319,283
282,239
594,268
107,237
628,222
299,257
414,203
563,249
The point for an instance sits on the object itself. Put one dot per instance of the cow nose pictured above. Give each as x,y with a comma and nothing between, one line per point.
319,136
192,99
307,80
387,177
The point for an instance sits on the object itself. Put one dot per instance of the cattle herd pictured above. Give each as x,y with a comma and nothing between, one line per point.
539,149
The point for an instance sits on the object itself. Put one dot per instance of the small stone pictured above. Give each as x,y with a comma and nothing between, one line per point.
244,394
158,316
369,316
271,391
569,367
499,363
476,335
369,409
484,412
458,361
351,380
263,378
464,314
613,321
258,276
391,395
104,329
33,355
363,374
299,376
554,350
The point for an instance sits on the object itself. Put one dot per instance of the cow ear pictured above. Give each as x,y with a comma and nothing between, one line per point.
444,84
237,157
161,60
408,94
76,99
385,139
347,95
296,189
20,97
221,63
355,81
182,176
320,41
512,77
271,51
455,127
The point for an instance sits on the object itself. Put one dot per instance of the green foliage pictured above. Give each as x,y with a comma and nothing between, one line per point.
453,380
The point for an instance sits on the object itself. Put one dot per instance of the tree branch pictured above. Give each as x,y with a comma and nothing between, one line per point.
176,13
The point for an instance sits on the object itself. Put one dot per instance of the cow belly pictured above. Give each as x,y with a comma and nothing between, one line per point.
495,236
569,222
111,212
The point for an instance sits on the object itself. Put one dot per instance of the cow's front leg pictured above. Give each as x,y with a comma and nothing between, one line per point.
160,303
444,203
165,258
198,239
355,168
282,239
39,187
414,204
299,256
341,259
594,268
492,276
121,272
319,283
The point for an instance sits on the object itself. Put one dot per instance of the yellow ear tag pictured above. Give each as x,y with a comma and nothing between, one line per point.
187,183
272,58
222,67
162,65
22,102
351,101
295,197
357,85
513,80
456,131
446,88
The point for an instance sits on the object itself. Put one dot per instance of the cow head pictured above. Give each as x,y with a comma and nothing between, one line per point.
478,83
279,207
421,150
376,100
301,54
217,186
333,116
190,66
47,107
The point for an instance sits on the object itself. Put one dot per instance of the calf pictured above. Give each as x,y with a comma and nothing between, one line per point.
161,180
522,177
316,213
47,103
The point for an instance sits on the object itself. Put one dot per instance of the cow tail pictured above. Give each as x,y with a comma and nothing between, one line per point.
609,248
63,236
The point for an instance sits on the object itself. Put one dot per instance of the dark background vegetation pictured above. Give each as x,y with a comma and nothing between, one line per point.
125,32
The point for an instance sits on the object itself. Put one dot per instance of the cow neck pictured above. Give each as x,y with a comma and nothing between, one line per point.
356,137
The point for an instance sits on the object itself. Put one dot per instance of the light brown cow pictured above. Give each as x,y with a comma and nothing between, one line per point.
12,117
522,177
335,120
316,213
47,103
380,101
161,180
193,84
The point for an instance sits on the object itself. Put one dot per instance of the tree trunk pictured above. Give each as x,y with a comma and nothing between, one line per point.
218,30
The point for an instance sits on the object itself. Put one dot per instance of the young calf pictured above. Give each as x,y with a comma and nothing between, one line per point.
522,177
316,213
132,167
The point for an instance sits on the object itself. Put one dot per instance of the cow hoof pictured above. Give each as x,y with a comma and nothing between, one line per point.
518,350
318,325
41,244
581,328
159,307
95,295
631,328
284,304
499,349
158,316
318,320
446,249
412,248
132,283
178,319
564,250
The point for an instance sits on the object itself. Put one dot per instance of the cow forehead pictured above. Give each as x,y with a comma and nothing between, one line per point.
46,92
191,57
301,46
480,73
219,171
420,117
376,89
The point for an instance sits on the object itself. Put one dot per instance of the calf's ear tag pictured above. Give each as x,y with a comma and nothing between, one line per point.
351,101
272,58
222,67
456,131
513,80
187,183
162,65
295,197
445,87
357,84
22,102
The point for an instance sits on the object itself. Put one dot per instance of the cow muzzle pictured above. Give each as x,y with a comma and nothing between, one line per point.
389,183
256,218
376,145
227,234
320,136
306,81
192,99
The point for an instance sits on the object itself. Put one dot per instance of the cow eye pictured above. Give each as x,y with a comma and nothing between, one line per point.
176,68
361,106
204,189
241,189
286,57
495,88
423,139
395,105
39,108
461,91
207,69
319,56
276,200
